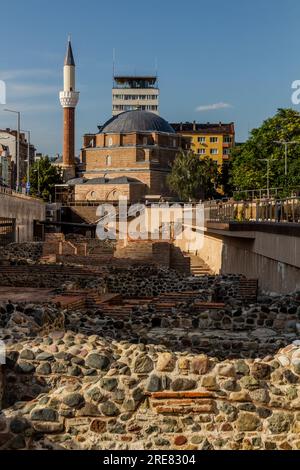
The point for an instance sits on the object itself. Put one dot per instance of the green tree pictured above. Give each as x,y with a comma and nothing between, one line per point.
248,171
43,178
193,178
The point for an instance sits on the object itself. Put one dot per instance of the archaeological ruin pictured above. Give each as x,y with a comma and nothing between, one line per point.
124,348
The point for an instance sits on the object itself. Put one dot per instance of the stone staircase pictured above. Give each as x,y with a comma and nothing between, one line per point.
137,250
199,267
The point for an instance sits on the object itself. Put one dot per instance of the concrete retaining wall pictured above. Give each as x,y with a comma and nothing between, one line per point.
25,210
274,259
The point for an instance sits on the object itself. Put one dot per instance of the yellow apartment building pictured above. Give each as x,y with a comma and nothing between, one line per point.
212,140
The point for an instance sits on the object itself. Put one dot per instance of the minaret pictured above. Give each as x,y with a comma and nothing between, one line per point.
69,99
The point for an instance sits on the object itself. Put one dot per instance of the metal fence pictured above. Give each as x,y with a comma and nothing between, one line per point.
271,193
265,210
11,192
7,231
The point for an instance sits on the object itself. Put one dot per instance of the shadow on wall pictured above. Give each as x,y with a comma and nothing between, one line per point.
239,256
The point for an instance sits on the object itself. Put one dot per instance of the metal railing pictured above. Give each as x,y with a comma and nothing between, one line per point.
87,203
7,231
252,194
11,192
264,210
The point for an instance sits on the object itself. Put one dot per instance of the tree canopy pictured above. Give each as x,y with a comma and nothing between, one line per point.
43,178
248,168
193,178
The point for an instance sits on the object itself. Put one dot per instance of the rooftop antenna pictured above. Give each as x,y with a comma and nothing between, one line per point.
114,63
69,37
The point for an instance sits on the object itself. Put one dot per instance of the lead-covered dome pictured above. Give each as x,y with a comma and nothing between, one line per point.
136,121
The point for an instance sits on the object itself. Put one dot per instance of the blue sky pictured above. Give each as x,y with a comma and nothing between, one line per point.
237,57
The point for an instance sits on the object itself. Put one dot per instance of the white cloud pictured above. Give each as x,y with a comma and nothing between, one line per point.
29,90
27,73
32,108
212,107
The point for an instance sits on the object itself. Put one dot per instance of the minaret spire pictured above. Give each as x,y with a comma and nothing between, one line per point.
69,99
69,60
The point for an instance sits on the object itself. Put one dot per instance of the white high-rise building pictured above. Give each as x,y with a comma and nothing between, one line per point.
135,92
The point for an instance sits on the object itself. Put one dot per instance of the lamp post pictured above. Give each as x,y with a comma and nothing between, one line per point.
268,160
286,145
18,145
28,161
38,174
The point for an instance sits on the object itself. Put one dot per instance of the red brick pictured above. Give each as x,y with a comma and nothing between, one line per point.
194,395
180,441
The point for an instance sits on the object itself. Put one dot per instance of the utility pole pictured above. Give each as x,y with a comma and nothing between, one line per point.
38,172
286,144
268,160
18,146
28,161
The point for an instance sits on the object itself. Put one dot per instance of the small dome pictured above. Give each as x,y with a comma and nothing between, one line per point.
136,121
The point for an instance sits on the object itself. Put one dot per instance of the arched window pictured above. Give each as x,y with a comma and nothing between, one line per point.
108,160
110,142
140,156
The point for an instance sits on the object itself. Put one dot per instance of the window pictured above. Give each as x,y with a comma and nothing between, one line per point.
226,151
227,139
140,156
214,140
214,151
145,140
201,140
108,160
201,151
110,142
174,143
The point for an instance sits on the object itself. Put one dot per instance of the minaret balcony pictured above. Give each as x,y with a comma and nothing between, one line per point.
69,99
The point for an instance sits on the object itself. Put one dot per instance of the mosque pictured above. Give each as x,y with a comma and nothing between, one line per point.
131,154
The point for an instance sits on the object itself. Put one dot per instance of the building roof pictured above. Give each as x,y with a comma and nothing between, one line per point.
75,181
123,180
136,121
119,180
135,77
208,128
102,180
58,160
69,60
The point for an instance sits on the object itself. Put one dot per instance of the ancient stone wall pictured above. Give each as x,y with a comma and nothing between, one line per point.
151,281
54,277
96,394
187,321
177,363
1,386
17,252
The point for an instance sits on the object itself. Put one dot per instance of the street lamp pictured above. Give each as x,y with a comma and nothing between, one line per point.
28,161
18,146
286,145
268,160
38,172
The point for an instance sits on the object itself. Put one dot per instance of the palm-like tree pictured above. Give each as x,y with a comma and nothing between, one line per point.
193,178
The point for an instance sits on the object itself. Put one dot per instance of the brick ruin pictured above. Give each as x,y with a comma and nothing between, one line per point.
134,355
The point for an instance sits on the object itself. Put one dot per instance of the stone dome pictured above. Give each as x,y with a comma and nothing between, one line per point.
136,121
